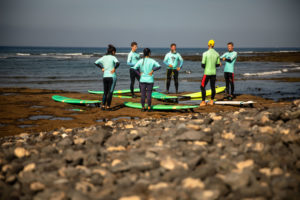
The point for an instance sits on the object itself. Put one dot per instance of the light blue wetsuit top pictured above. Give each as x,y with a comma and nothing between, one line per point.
108,62
230,61
146,65
173,59
133,58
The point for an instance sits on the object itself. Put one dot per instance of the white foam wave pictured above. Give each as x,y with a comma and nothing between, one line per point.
272,72
23,54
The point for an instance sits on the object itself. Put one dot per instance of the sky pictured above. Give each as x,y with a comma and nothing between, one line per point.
152,23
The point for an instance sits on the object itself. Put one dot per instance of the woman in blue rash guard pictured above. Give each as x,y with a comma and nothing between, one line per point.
146,66
108,63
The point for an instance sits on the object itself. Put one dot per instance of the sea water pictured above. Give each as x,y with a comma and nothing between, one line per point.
73,69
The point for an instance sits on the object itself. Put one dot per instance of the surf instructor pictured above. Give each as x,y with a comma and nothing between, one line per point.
210,60
174,62
229,58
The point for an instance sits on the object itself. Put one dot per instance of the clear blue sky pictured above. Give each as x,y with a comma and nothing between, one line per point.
152,23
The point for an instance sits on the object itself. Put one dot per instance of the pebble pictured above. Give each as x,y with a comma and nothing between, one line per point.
21,152
191,183
37,186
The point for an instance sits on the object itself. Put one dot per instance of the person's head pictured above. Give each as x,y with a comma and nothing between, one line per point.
134,46
111,50
211,44
230,46
147,52
173,47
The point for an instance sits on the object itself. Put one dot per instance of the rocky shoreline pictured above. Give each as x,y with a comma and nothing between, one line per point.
245,154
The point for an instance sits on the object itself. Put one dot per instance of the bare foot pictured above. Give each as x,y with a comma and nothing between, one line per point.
202,104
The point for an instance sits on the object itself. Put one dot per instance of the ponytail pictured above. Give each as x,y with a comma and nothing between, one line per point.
146,52
110,49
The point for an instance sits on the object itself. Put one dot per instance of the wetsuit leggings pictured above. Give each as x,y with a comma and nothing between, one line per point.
109,86
171,72
146,88
133,75
229,79
205,79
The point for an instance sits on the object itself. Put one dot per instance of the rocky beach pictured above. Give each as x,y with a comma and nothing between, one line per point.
246,153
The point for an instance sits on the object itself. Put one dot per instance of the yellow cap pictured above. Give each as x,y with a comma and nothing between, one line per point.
211,43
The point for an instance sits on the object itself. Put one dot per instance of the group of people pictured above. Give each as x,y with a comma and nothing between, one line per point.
142,69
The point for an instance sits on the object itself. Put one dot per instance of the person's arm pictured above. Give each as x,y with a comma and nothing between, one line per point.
117,65
129,58
98,63
181,61
136,67
218,64
203,61
166,60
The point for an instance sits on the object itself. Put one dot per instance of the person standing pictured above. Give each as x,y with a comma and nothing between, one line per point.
146,66
132,59
229,58
210,60
108,64
174,62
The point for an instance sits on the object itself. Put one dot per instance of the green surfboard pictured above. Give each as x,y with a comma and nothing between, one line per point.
208,93
160,107
73,101
122,97
158,95
119,91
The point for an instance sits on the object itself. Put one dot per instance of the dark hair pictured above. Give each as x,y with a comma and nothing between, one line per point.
146,52
173,44
230,43
133,44
110,49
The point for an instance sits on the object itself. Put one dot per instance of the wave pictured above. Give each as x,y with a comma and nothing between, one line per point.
285,70
23,54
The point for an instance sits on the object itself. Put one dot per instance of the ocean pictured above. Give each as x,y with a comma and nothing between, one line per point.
73,69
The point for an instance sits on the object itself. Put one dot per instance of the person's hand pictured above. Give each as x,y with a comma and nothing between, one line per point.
170,66
141,73
113,71
220,64
178,68
103,69
151,73
224,59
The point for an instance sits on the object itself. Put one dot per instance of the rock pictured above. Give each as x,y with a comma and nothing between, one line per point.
109,123
134,132
58,196
37,186
29,167
69,130
79,141
115,162
245,164
65,142
206,195
190,136
117,140
128,126
191,183
130,198
193,126
237,180
266,129
11,179
118,148
21,152
228,135
158,186
171,164
85,187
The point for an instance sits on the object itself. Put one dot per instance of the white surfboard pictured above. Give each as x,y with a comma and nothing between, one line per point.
234,102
